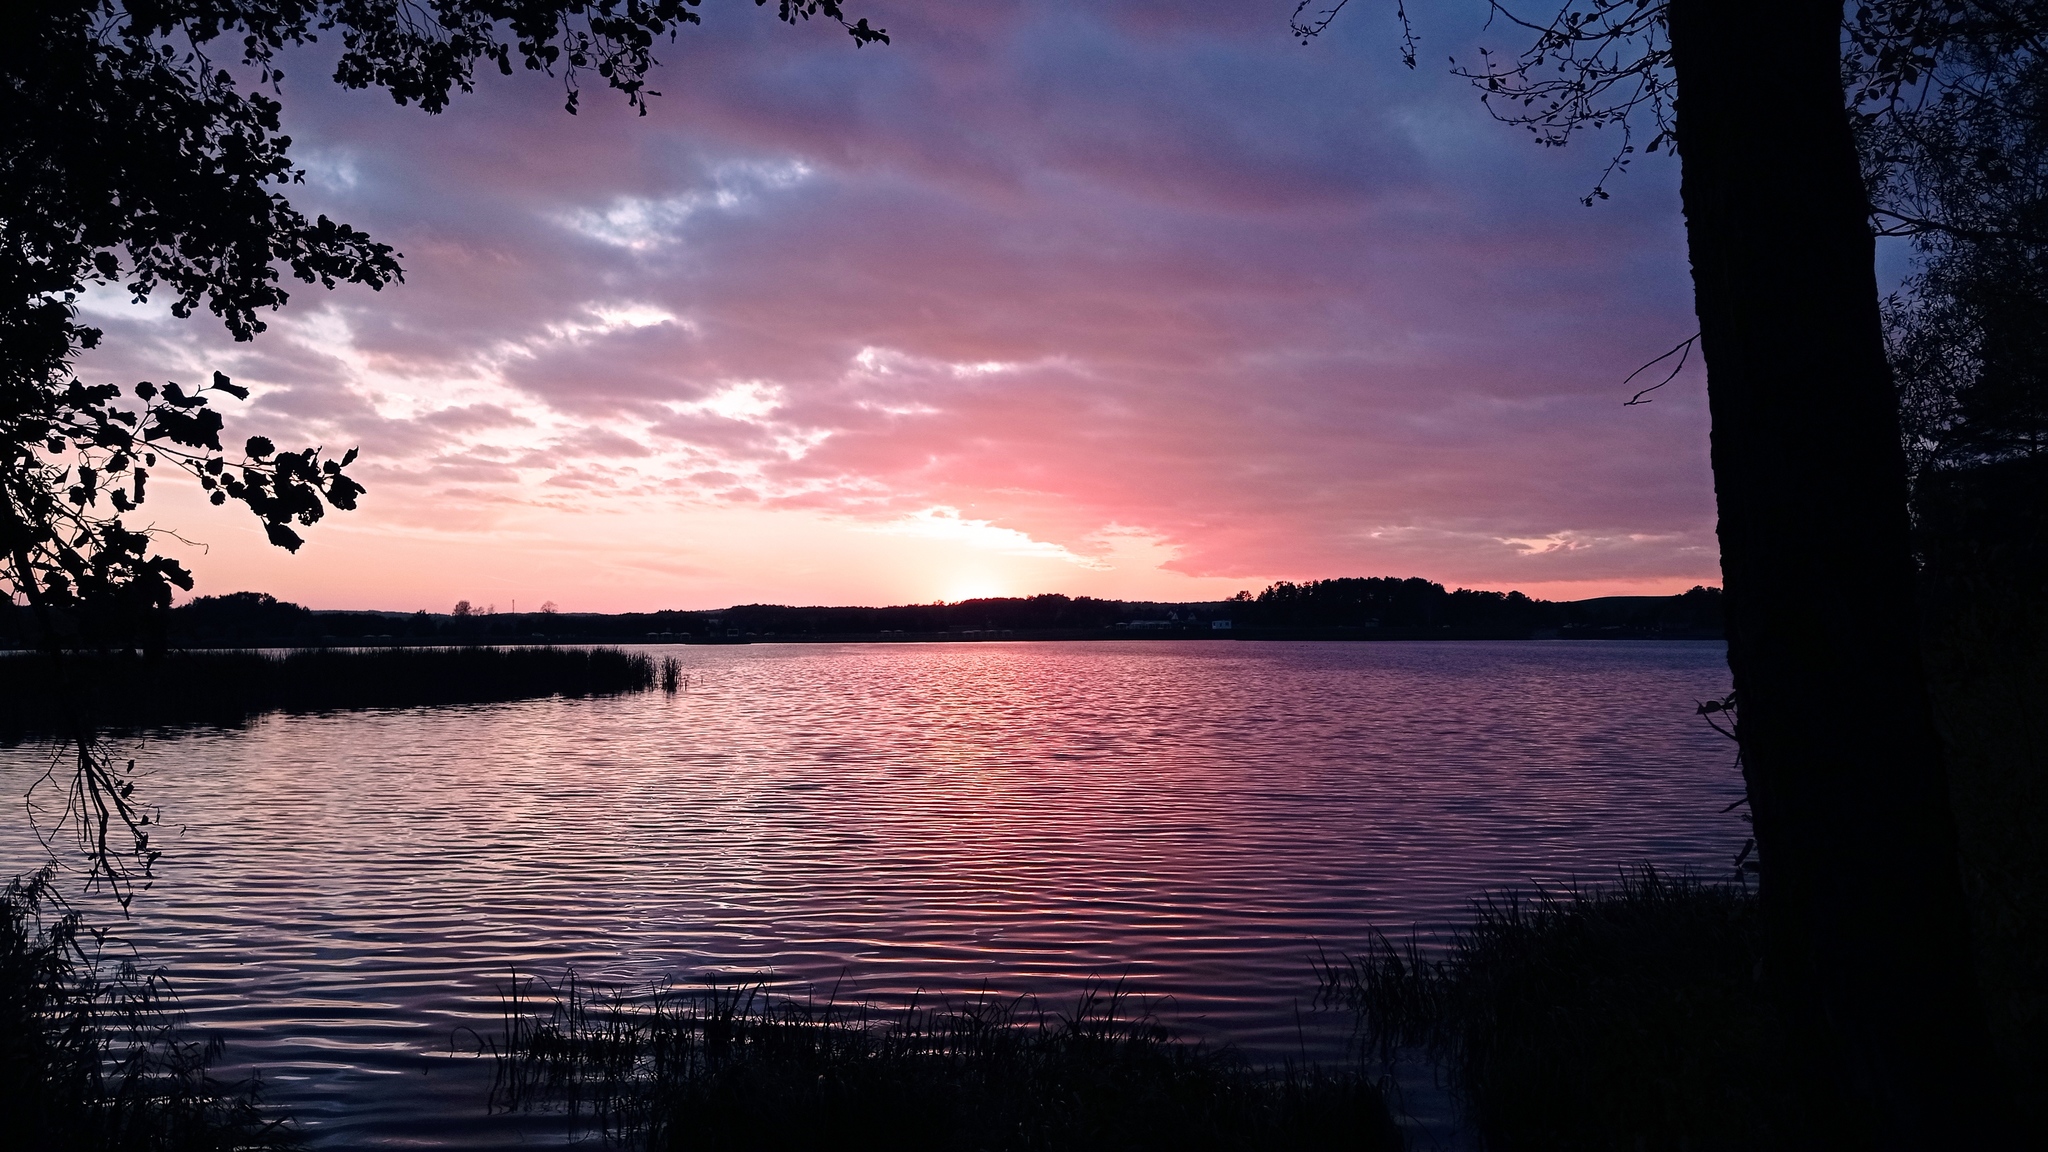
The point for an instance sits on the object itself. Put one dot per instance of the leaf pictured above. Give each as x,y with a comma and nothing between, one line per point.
201,430
282,536
259,447
220,381
342,493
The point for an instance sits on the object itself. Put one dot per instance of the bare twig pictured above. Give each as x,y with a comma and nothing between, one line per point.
1682,350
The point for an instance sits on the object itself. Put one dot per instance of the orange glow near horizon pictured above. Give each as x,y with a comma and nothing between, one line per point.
1019,304
707,559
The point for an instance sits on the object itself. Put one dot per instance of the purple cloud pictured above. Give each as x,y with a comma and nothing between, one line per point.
1077,273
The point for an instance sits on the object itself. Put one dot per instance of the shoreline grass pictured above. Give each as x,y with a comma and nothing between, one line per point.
1629,1016
718,1067
92,1055
121,691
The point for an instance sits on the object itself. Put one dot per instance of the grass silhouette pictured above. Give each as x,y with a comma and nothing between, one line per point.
1626,1017
91,1053
121,691
722,1067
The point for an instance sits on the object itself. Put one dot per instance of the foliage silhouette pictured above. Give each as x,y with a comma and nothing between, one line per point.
1968,337
1968,331
131,155
134,157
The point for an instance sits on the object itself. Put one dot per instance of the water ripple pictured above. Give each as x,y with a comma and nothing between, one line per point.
349,892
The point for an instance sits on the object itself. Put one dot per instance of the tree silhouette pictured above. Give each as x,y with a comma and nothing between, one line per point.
132,155
1968,337
1859,878
1964,170
1860,881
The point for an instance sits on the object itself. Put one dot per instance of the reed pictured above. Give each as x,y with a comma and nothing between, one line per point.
120,691
721,1067
91,1055
1630,1016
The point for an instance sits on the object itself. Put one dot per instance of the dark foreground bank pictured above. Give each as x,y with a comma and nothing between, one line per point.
92,1057
124,691
718,1067
1627,1017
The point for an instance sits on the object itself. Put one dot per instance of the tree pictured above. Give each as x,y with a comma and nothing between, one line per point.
1963,170
1968,334
128,155
1869,947
1861,888
131,154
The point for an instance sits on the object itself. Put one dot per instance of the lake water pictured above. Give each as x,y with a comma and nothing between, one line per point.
342,895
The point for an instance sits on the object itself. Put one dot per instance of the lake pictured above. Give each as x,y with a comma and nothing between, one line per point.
342,896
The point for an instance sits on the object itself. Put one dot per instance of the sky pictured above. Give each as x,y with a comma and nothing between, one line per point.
1127,298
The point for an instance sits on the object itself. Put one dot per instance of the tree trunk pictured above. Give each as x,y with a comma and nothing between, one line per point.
1868,945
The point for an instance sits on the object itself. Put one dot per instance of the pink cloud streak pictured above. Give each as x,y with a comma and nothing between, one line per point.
1182,306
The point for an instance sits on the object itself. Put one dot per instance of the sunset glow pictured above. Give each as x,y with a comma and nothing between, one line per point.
1136,300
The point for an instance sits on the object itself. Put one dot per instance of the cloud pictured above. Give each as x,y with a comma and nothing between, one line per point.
947,524
1147,292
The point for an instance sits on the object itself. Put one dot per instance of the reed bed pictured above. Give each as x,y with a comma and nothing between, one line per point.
1624,1017
121,691
728,1067
92,1056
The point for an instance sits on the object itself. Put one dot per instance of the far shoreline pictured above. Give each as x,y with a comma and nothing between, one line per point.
1319,636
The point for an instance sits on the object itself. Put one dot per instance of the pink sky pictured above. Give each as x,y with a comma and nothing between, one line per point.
1126,299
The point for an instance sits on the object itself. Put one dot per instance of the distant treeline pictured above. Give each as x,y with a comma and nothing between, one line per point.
122,691
1388,608
1417,605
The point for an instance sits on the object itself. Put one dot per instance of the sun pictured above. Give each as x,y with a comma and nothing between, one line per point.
976,586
